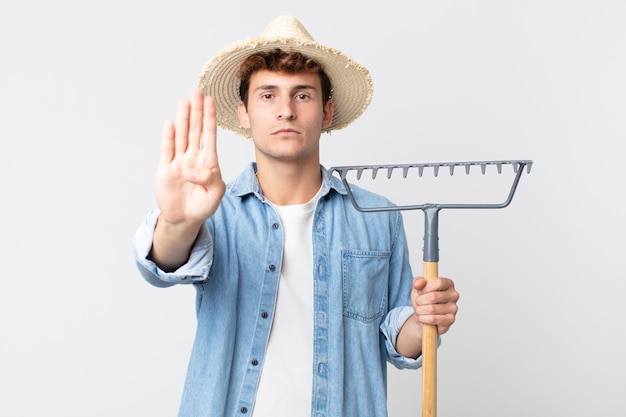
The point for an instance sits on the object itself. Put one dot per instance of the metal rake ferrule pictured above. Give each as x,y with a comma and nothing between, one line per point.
518,169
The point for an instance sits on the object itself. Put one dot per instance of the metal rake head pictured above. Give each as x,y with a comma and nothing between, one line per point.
431,210
518,169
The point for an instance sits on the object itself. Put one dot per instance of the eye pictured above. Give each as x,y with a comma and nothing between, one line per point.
302,96
266,96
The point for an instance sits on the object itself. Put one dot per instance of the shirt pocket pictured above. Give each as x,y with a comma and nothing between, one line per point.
365,277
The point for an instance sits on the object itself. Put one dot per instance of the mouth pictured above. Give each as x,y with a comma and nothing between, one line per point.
285,131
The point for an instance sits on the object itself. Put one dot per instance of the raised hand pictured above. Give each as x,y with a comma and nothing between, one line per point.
189,185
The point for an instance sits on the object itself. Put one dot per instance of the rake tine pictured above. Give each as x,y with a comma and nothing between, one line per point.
451,169
405,171
389,171
483,167
359,172
374,173
467,169
499,168
420,170
436,168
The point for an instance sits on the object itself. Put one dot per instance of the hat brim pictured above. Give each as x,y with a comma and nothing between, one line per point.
351,83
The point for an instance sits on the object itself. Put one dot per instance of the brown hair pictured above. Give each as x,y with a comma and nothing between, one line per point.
279,60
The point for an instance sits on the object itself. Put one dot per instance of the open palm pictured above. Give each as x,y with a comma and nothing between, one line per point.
189,185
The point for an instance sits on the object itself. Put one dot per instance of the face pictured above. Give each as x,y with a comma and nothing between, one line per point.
286,115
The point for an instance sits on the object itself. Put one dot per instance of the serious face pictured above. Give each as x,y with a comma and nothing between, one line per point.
285,114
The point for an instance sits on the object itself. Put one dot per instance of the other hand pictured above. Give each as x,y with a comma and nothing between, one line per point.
435,302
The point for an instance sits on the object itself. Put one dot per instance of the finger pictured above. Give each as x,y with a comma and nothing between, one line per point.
434,298
167,142
445,322
195,118
419,283
209,132
437,284
182,126
442,318
435,309
206,169
445,325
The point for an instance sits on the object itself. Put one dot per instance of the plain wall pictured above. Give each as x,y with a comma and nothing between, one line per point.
86,86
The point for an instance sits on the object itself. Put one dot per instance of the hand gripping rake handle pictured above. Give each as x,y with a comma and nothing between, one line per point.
431,244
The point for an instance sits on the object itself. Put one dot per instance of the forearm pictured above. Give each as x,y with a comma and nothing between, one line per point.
409,340
172,243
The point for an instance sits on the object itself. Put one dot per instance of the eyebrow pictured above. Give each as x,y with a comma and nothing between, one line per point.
274,87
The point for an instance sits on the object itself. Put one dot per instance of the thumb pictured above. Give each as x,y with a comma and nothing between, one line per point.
419,283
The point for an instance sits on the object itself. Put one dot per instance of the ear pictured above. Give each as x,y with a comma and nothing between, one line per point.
329,109
244,120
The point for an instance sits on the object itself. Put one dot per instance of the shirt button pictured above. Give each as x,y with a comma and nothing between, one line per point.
244,410
272,267
321,369
275,226
255,362
264,314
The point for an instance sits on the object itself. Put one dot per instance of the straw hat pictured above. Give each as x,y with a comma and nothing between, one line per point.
351,82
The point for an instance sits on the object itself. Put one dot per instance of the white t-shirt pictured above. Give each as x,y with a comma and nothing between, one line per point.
286,380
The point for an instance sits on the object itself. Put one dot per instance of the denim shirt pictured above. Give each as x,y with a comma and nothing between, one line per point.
362,283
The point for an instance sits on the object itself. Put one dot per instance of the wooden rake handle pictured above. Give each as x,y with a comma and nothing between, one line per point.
429,332
429,355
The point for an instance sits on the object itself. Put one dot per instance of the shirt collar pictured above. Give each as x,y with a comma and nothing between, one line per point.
247,183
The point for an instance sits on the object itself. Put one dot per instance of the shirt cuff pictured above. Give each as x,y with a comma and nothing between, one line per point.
195,269
391,328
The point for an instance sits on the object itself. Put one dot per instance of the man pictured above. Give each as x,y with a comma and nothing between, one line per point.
301,299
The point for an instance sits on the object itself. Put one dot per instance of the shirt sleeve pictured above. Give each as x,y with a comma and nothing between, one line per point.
390,328
195,269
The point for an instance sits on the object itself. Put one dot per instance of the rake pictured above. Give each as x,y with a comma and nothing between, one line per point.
431,240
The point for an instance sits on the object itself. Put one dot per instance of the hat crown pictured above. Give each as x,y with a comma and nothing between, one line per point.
286,27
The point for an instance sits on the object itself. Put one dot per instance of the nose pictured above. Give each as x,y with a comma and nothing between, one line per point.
286,112
286,115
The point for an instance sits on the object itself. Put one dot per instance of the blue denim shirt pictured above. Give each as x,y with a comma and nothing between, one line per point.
362,283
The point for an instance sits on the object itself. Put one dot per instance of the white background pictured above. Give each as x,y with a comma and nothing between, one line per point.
85,87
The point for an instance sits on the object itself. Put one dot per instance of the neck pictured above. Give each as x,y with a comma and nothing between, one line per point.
288,184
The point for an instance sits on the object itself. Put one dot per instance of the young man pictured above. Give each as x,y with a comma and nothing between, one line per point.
301,299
